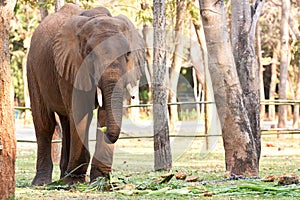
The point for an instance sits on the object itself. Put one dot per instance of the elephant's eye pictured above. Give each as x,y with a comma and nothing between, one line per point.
127,55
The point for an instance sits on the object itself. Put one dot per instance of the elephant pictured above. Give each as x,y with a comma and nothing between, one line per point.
73,54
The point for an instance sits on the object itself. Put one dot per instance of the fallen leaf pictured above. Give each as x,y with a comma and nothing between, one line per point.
128,187
269,178
180,176
270,145
165,175
207,194
288,179
167,178
191,178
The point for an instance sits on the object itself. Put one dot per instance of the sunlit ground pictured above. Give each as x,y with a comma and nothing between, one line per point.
133,162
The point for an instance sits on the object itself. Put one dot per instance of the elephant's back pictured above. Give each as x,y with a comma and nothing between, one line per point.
41,70
43,37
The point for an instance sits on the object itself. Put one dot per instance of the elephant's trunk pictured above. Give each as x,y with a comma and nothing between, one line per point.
113,102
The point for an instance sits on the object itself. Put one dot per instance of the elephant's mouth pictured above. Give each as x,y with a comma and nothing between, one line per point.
100,97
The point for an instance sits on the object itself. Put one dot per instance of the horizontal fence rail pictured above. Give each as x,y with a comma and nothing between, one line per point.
294,132
273,131
280,102
264,102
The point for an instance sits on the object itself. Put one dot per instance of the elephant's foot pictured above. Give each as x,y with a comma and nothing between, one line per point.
40,180
97,172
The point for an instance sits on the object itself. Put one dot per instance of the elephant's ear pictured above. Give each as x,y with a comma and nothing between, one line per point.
137,56
68,60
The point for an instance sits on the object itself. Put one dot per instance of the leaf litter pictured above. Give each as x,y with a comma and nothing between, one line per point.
167,185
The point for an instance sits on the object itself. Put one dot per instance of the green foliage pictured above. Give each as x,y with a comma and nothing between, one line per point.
145,15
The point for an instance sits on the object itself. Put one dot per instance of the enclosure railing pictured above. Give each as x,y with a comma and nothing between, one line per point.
272,131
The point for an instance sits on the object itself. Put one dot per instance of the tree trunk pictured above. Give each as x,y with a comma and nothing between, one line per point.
273,83
244,20
58,4
284,62
240,149
162,149
296,107
261,74
27,112
43,8
199,58
148,37
7,137
177,60
26,92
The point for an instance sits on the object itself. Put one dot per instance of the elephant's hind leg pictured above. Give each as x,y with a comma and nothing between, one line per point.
44,123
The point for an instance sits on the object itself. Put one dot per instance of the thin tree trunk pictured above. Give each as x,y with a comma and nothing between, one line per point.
27,112
261,74
162,149
240,149
284,58
273,83
177,60
296,107
26,92
148,37
43,8
58,4
244,20
200,61
7,137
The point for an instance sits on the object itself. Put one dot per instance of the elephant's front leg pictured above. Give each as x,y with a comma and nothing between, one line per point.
79,152
103,156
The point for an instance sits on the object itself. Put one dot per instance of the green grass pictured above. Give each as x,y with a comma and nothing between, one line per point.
131,171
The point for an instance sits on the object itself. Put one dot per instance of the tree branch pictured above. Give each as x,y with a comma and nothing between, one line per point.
294,28
256,9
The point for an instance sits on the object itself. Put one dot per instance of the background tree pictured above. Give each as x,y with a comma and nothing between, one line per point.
58,4
240,147
177,59
243,29
162,149
284,61
7,137
43,8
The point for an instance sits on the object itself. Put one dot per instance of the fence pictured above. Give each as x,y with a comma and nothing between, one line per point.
273,131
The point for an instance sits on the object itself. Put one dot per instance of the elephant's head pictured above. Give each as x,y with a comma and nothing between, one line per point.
97,50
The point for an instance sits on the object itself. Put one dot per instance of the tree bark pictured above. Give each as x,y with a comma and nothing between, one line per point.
7,137
177,60
162,149
240,149
244,20
284,62
43,9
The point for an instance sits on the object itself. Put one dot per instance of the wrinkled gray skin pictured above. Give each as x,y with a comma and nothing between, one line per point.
70,57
